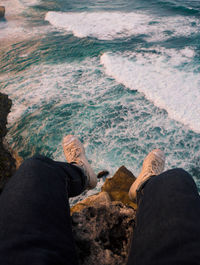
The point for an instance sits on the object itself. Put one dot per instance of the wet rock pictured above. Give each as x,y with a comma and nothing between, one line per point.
2,11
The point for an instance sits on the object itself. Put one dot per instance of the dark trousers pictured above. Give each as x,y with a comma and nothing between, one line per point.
167,230
35,226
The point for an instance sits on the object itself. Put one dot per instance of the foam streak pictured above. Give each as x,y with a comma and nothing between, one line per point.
167,87
115,25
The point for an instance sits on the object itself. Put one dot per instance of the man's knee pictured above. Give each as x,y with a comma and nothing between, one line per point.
177,177
176,174
34,162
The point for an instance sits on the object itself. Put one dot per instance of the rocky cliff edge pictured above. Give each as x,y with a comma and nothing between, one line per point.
103,223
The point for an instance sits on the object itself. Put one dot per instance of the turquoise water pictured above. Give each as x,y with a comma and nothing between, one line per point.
122,75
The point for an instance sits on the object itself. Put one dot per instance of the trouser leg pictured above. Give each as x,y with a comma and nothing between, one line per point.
35,226
167,227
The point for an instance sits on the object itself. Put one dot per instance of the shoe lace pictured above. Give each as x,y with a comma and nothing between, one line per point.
74,152
153,168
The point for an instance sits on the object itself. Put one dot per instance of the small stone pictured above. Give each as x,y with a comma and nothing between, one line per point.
102,174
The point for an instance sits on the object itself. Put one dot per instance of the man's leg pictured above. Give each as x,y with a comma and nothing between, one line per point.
35,226
167,222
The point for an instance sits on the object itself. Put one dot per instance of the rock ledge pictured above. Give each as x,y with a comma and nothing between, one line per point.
103,223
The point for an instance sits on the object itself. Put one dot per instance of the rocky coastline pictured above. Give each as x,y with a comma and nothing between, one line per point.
103,223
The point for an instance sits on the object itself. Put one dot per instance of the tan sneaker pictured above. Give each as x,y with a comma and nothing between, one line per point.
153,165
75,153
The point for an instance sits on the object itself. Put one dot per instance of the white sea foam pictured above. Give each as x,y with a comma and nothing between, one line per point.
65,83
16,30
187,52
114,25
15,26
13,7
117,127
16,7
167,86
28,3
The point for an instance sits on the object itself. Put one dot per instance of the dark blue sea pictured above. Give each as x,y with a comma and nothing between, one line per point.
122,75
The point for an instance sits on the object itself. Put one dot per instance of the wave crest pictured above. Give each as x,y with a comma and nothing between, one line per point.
115,25
161,81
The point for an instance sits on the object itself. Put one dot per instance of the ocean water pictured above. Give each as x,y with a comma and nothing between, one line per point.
122,75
